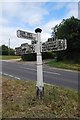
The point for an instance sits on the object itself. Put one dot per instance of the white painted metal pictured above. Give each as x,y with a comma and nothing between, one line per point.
39,83
61,44
26,35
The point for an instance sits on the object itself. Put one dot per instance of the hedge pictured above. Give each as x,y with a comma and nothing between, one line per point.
32,56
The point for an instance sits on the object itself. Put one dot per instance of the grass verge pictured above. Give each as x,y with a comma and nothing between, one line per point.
19,100
64,64
6,57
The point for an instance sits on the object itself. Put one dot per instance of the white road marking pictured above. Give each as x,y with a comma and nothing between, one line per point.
10,76
52,73
5,74
17,78
43,71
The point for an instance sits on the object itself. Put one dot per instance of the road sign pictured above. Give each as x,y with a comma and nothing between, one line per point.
61,44
54,45
26,35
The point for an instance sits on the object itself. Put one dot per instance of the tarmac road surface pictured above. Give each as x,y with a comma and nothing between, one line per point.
27,71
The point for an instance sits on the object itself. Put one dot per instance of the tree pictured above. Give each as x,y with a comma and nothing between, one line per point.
12,51
69,29
4,50
0,50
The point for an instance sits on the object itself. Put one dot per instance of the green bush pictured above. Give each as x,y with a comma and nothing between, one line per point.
4,50
29,57
47,55
32,56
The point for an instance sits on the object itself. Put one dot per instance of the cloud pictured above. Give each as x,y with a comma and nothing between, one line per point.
28,16
3,21
59,5
40,0
11,33
51,24
46,29
34,15
30,13
10,8
72,10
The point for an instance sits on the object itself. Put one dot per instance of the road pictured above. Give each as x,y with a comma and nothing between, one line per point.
27,71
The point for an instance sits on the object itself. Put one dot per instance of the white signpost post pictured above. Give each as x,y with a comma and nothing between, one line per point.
37,37
40,84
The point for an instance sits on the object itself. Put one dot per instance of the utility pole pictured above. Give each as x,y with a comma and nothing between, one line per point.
9,48
39,84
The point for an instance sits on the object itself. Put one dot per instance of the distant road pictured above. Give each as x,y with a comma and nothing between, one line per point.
27,71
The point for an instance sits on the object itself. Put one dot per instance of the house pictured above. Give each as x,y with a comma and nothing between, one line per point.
18,51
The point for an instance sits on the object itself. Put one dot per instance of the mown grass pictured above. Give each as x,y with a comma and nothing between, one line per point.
65,65
19,100
6,57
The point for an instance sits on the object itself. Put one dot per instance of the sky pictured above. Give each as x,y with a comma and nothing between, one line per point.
27,15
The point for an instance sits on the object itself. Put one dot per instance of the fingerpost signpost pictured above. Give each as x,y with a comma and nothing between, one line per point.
37,37
39,85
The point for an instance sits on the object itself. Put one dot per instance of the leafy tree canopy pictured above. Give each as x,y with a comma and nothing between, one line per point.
4,50
69,29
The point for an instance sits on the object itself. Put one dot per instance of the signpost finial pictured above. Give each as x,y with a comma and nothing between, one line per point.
38,30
